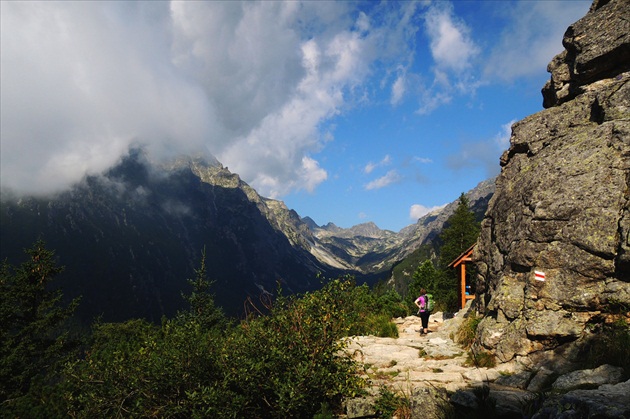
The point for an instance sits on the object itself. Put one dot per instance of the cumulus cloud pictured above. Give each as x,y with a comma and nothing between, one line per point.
417,211
453,51
451,45
533,36
389,178
250,82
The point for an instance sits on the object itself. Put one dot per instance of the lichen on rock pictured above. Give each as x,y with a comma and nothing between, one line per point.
562,200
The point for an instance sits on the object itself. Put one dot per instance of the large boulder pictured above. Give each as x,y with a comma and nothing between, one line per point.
561,206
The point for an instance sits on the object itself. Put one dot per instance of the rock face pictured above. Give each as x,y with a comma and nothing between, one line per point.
561,204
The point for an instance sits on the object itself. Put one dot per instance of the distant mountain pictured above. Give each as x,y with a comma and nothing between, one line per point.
132,236
371,250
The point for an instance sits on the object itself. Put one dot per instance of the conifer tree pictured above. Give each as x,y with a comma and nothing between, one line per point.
461,232
201,300
31,315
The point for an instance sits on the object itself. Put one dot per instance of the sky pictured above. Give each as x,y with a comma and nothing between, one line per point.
349,112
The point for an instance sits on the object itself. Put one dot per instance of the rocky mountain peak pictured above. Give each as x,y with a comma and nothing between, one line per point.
553,257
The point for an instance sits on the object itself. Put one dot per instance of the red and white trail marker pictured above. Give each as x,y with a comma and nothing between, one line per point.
539,275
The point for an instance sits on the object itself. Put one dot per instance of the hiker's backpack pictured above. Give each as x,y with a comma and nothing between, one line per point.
429,303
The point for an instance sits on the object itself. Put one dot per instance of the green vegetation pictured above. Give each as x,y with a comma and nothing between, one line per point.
432,280
432,272
391,404
286,363
466,333
460,232
32,319
481,359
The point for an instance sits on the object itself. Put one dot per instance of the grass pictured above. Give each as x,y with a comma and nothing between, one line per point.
392,404
481,359
467,332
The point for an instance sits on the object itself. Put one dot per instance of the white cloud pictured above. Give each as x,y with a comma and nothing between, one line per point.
502,139
389,178
417,210
386,161
398,89
423,160
533,36
80,84
454,51
451,45
251,82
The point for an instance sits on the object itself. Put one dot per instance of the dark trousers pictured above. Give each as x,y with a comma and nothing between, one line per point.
424,316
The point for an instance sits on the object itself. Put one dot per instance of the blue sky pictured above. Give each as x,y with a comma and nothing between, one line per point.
347,111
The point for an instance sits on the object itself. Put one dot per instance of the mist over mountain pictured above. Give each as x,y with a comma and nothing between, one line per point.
131,237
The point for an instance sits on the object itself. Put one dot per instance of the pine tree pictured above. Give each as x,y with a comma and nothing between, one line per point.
201,300
461,232
31,316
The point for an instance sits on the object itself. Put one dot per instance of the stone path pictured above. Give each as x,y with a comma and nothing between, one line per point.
414,361
430,368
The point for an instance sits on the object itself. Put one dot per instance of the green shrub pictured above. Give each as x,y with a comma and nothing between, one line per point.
288,363
467,331
380,325
391,404
481,359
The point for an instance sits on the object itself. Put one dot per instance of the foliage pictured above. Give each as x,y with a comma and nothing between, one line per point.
481,359
460,232
32,317
466,333
432,280
402,272
202,307
390,404
288,363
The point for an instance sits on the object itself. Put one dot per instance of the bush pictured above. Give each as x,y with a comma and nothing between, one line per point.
290,363
467,331
390,404
481,359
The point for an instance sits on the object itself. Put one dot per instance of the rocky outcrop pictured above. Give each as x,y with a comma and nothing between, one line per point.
561,205
435,376
597,48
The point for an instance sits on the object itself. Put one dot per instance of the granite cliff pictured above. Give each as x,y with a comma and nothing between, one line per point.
562,204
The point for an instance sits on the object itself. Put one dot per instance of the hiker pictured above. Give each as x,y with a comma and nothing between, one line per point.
423,311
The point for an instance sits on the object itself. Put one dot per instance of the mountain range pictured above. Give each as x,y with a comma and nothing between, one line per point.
131,237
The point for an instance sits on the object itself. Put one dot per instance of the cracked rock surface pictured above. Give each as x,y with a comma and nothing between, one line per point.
561,204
